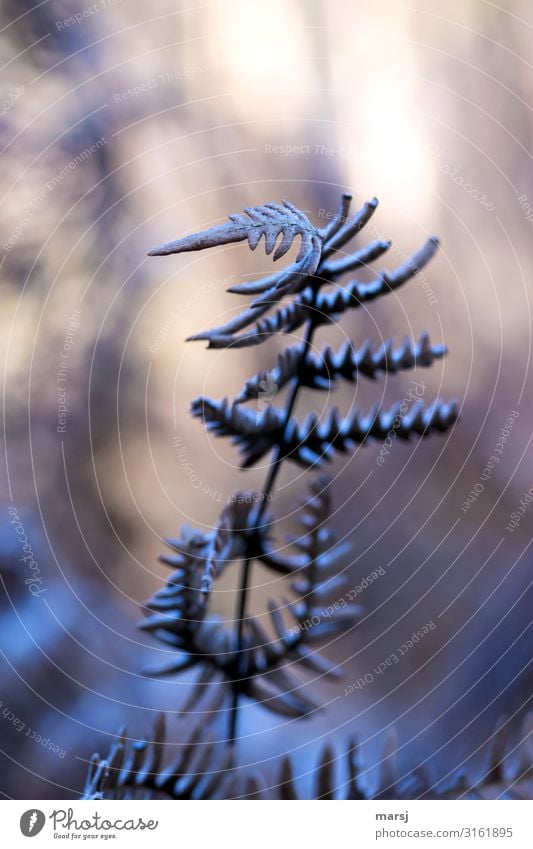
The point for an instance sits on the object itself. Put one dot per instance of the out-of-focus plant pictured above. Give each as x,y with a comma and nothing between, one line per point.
246,661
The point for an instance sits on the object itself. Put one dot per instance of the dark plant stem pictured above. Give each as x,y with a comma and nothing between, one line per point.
241,671
273,471
277,458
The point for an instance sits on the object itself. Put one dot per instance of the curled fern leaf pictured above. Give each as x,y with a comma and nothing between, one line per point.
270,220
279,224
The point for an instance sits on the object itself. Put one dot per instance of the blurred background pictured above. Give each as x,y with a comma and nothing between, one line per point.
125,124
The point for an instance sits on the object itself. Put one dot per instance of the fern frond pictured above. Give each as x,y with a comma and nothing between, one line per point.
178,609
228,540
269,221
288,367
175,615
328,271
331,304
279,224
250,659
340,217
320,371
255,435
320,611
325,308
136,769
314,440
287,318
331,782
209,644
360,259
498,781
350,228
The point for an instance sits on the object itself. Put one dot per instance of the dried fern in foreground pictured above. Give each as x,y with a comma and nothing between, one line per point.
258,657
140,770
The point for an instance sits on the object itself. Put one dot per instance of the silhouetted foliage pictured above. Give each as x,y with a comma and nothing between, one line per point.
203,770
249,660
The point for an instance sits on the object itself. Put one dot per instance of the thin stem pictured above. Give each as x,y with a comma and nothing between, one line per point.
241,671
277,458
269,484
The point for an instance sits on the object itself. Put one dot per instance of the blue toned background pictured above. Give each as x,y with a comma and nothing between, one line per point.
124,124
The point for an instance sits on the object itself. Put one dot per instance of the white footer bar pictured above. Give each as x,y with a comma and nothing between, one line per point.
265,825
